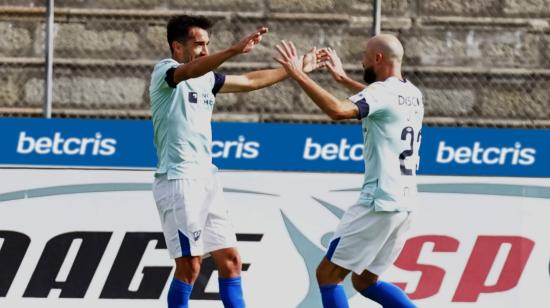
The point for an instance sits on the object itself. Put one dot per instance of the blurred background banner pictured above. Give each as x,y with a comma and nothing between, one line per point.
272,146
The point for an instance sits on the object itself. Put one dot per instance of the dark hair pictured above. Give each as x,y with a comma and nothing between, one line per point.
178,27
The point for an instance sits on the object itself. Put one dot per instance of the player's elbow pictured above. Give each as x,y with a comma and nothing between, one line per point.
337,114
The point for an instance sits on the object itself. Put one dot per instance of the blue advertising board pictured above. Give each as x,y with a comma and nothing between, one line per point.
259,146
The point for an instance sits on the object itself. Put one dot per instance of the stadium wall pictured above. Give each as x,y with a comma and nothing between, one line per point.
86,232
479,63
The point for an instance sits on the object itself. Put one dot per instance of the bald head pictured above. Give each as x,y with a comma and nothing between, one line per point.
382,58
388,46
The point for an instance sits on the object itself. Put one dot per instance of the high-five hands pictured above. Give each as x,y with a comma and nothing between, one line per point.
289,59
295,64
329,59
312,60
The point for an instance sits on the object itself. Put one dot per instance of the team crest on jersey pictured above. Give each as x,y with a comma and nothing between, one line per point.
196,235
193,97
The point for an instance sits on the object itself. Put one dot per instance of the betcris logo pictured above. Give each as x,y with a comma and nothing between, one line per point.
95,145
342,150
238,149
479,154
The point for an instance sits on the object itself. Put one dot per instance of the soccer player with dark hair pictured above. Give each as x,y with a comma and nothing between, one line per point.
187,189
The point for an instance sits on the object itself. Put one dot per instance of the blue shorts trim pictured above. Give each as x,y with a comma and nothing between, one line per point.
184,244
332,247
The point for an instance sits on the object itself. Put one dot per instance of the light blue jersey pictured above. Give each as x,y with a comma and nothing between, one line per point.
181,116
391,113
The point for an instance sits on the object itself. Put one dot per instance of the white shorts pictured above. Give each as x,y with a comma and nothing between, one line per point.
193,215
368,240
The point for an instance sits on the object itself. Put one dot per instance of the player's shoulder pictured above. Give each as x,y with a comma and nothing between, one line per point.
379,89
164,63
414,89
388,85
167,61
398,86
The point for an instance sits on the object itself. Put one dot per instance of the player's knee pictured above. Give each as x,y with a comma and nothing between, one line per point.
361,282
319,273
329,273
187,269
323,274
231,265
233,262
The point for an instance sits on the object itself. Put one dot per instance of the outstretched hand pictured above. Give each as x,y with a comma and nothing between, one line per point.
289,59
332,62
247,44
312,60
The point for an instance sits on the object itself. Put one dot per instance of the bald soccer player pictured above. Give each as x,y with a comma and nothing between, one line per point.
372,231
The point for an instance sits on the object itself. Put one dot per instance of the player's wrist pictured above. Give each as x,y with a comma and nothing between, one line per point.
346,78
341,77
234,50
299,75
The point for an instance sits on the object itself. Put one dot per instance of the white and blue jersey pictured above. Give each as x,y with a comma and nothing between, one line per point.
187,189
391,112
372,232
181,115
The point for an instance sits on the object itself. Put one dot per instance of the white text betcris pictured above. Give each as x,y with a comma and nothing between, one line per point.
477,154
60,145
332,151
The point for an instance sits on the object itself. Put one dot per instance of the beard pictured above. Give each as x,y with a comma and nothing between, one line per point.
369,76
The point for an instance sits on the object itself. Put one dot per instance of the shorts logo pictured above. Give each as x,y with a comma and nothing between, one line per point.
196,235
193,97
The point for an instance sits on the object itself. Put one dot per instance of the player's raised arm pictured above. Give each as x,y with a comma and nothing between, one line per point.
334,65
336,109
264,78
203,62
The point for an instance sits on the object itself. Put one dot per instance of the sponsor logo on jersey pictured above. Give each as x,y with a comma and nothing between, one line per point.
196,235
193,97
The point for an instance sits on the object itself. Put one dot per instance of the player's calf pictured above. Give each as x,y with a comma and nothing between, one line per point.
229,266
187,271
329,277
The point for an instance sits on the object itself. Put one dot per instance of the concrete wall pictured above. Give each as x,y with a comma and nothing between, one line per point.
478,62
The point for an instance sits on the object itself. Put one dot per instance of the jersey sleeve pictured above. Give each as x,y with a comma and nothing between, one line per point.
163,75
370,101
219,80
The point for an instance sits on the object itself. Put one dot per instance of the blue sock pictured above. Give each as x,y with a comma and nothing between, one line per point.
388,295
334,296
178,294
231,292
